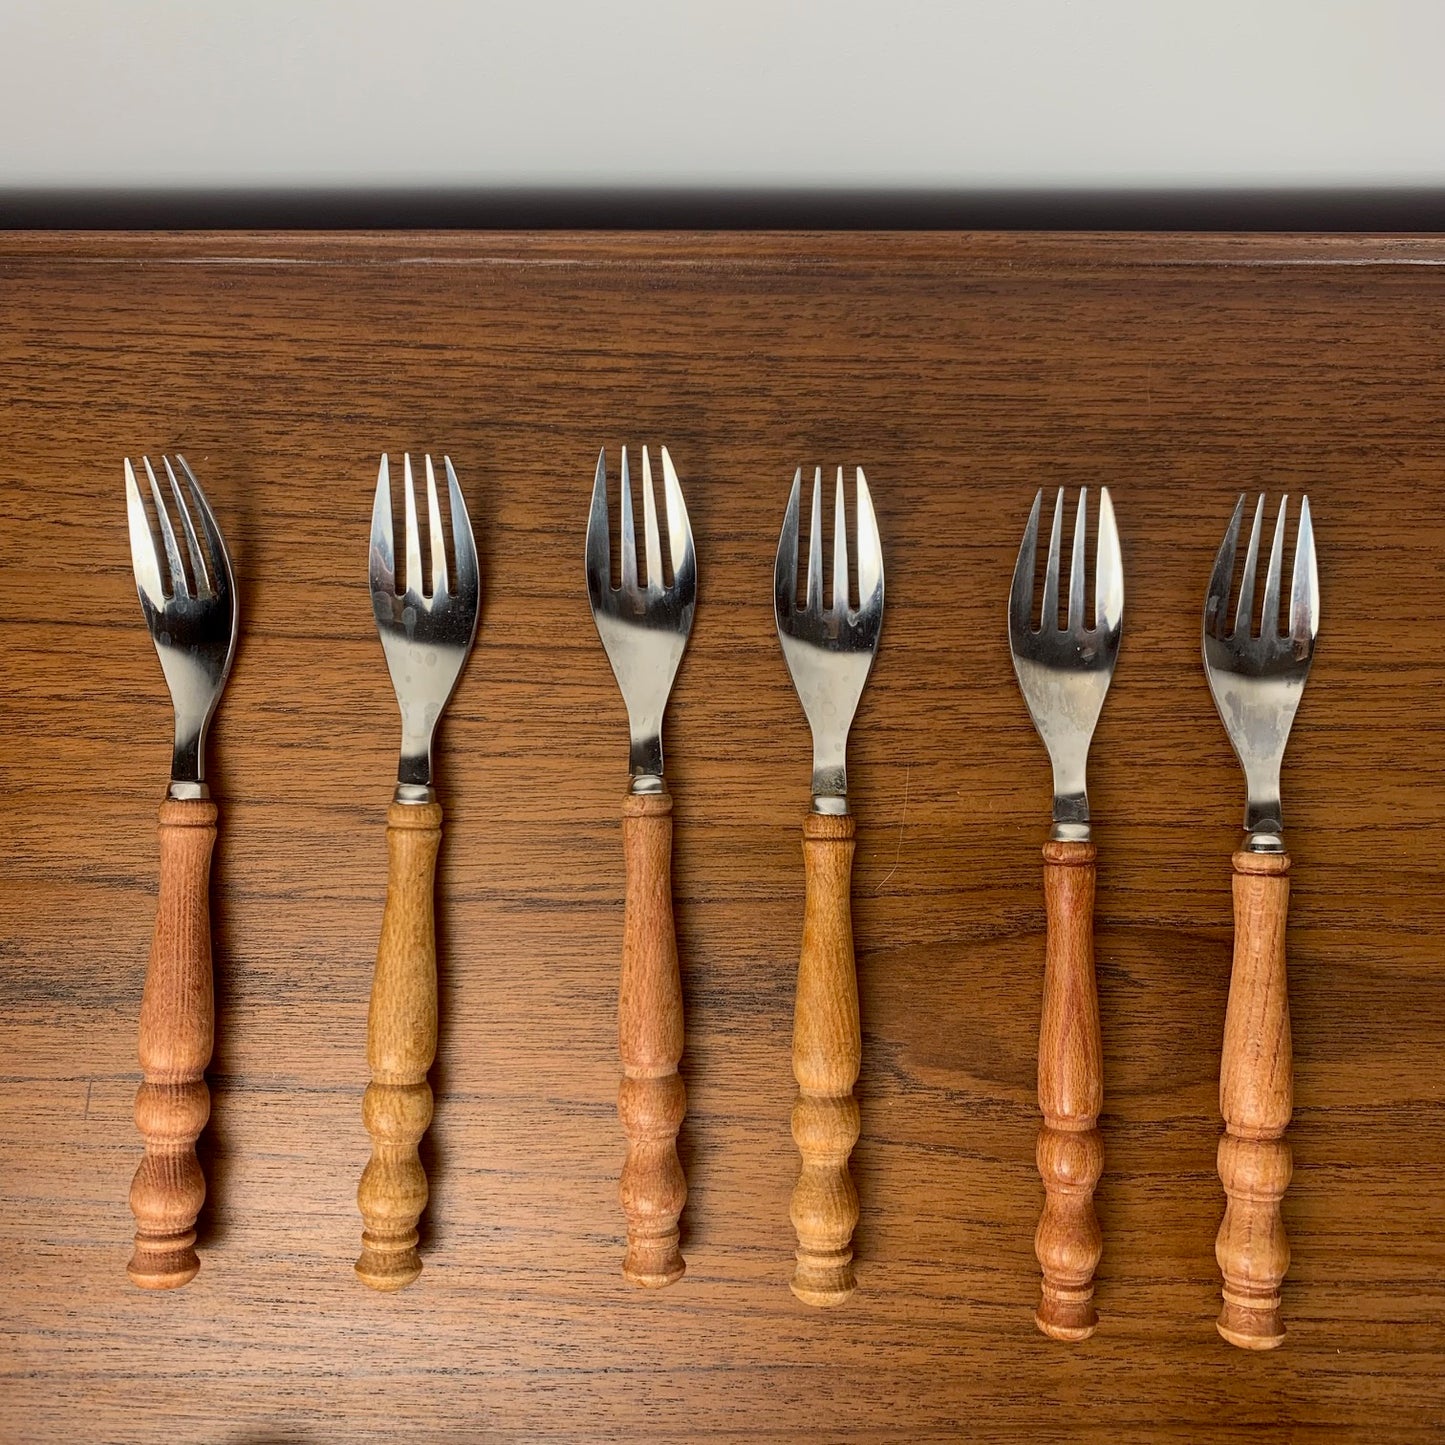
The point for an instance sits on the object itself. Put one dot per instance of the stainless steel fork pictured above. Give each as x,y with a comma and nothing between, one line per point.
426,635
1257,677
1064,673
644,628
829,652
192,621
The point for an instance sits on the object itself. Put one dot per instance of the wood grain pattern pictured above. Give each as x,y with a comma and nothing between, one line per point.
963,372
1070,1150
401,1045
652,1099
1256,1097
827,1054
177,1032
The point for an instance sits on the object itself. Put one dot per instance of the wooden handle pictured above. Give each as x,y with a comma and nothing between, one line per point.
651,1100
1071,1092
401,1042
177,1030
827,1052
1256,1097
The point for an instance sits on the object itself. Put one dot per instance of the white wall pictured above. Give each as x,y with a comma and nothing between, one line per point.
917,93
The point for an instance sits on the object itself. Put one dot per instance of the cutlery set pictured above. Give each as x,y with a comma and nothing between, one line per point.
1256,664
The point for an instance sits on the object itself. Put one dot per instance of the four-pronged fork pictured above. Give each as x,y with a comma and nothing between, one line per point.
192,621
426,635
1256,681
644,627
1064,673
829,651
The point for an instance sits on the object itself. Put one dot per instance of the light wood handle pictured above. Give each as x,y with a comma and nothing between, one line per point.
1071,1092
1256,1097
827,1053
401,1043
651,1100
177,1030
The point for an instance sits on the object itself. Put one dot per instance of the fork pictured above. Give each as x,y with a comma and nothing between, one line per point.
1064,673
644,629
1257,682
426,636
192,621
829,652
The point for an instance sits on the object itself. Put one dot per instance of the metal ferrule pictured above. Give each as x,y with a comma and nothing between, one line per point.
414,793
1071,833
648,785
186,792
830,804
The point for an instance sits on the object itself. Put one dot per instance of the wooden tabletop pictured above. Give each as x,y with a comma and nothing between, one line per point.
963,372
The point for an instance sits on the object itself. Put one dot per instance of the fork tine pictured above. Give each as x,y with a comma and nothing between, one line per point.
1049,617
468,572
412,579
652,542
1021,594
1076,564
785,568
629,536
1246,582
143,560
220,579
679,529
438,542
840,550
1304,600
599,543
383,543
870,548
815,547
193,545
1216,600
1108,568
168,536
1269,623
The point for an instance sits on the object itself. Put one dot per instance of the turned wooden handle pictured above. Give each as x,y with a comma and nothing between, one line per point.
401,1042
177,1029
1256,1097
1071,1092
827,1052
651,1100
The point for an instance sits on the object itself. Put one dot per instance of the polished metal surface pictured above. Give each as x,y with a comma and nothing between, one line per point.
426,635
1257,680
643,626
1064,672
191,617
829,650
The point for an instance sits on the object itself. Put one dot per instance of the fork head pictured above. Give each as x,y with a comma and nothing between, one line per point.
1256,681
829,650
1064,672
426,634
191,616
643,625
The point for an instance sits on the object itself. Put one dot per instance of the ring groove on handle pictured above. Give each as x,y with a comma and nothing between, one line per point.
651,1099
827,1054
1070,1151
1256,1098
401,1043
177,1030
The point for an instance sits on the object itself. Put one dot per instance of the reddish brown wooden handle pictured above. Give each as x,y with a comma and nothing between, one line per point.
827,1053
1071,1092
651,1100
177,1028
401,1042
1256,1097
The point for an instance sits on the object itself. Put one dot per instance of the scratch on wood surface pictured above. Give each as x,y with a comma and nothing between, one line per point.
902,823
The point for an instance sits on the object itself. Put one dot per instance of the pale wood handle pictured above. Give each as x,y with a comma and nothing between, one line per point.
651,1100
1256,1097
401,1043
827,1053
177,1029
1071,1092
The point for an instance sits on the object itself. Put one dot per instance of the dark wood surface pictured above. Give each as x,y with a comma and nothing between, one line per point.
963,372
